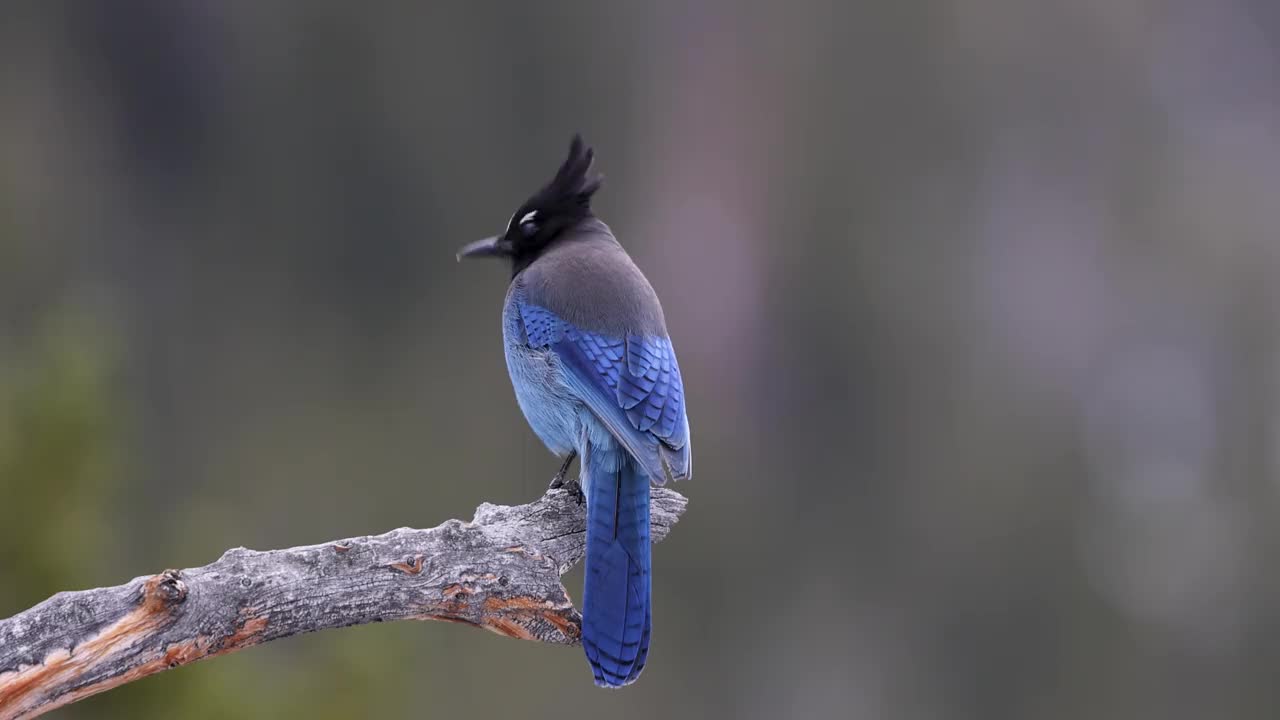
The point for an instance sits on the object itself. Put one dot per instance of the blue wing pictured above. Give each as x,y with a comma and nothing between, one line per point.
631,383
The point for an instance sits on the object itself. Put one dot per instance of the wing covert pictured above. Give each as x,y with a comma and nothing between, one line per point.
631,383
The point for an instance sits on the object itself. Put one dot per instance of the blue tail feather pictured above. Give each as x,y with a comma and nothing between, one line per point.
616,615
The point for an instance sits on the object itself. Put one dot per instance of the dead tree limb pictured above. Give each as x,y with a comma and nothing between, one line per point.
501,571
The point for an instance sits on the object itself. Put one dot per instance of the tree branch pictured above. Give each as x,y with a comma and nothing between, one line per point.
501,571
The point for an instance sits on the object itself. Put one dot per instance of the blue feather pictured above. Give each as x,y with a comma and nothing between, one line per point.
640,402
616,617
619,401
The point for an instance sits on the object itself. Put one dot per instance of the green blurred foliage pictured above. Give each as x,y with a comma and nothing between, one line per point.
61,470
59,462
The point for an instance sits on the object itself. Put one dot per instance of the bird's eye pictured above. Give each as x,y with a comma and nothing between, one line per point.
528,224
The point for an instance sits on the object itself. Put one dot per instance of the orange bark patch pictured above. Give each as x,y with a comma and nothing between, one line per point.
25,690
33,690
512,616
176,654
247,634
510,628
563,620
456,589
409,568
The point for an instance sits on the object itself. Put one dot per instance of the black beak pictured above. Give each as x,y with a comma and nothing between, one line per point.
488,247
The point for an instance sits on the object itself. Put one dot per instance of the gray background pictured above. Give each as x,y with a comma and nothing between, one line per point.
975,304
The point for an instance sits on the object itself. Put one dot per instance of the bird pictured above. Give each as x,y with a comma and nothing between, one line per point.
595,375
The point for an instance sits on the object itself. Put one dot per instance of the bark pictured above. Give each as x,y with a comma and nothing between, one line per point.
501,572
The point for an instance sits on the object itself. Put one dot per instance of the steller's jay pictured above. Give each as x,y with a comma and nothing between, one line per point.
596,376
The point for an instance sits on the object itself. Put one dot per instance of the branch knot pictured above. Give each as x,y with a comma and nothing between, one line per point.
163,591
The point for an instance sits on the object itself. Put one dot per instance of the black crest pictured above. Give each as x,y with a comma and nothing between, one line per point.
574,183
548,215
561,204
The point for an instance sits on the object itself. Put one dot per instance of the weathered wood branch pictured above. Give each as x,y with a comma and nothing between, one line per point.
501,571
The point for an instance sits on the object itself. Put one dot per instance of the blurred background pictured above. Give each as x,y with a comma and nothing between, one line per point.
976,306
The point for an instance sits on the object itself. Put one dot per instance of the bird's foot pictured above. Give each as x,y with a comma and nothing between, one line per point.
573,488
558,481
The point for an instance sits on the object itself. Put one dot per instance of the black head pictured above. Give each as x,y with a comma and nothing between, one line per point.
560,205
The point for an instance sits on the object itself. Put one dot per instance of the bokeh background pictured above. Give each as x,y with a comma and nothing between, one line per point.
976,304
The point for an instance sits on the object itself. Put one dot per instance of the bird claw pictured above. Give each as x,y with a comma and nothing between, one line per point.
562,482
573,488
